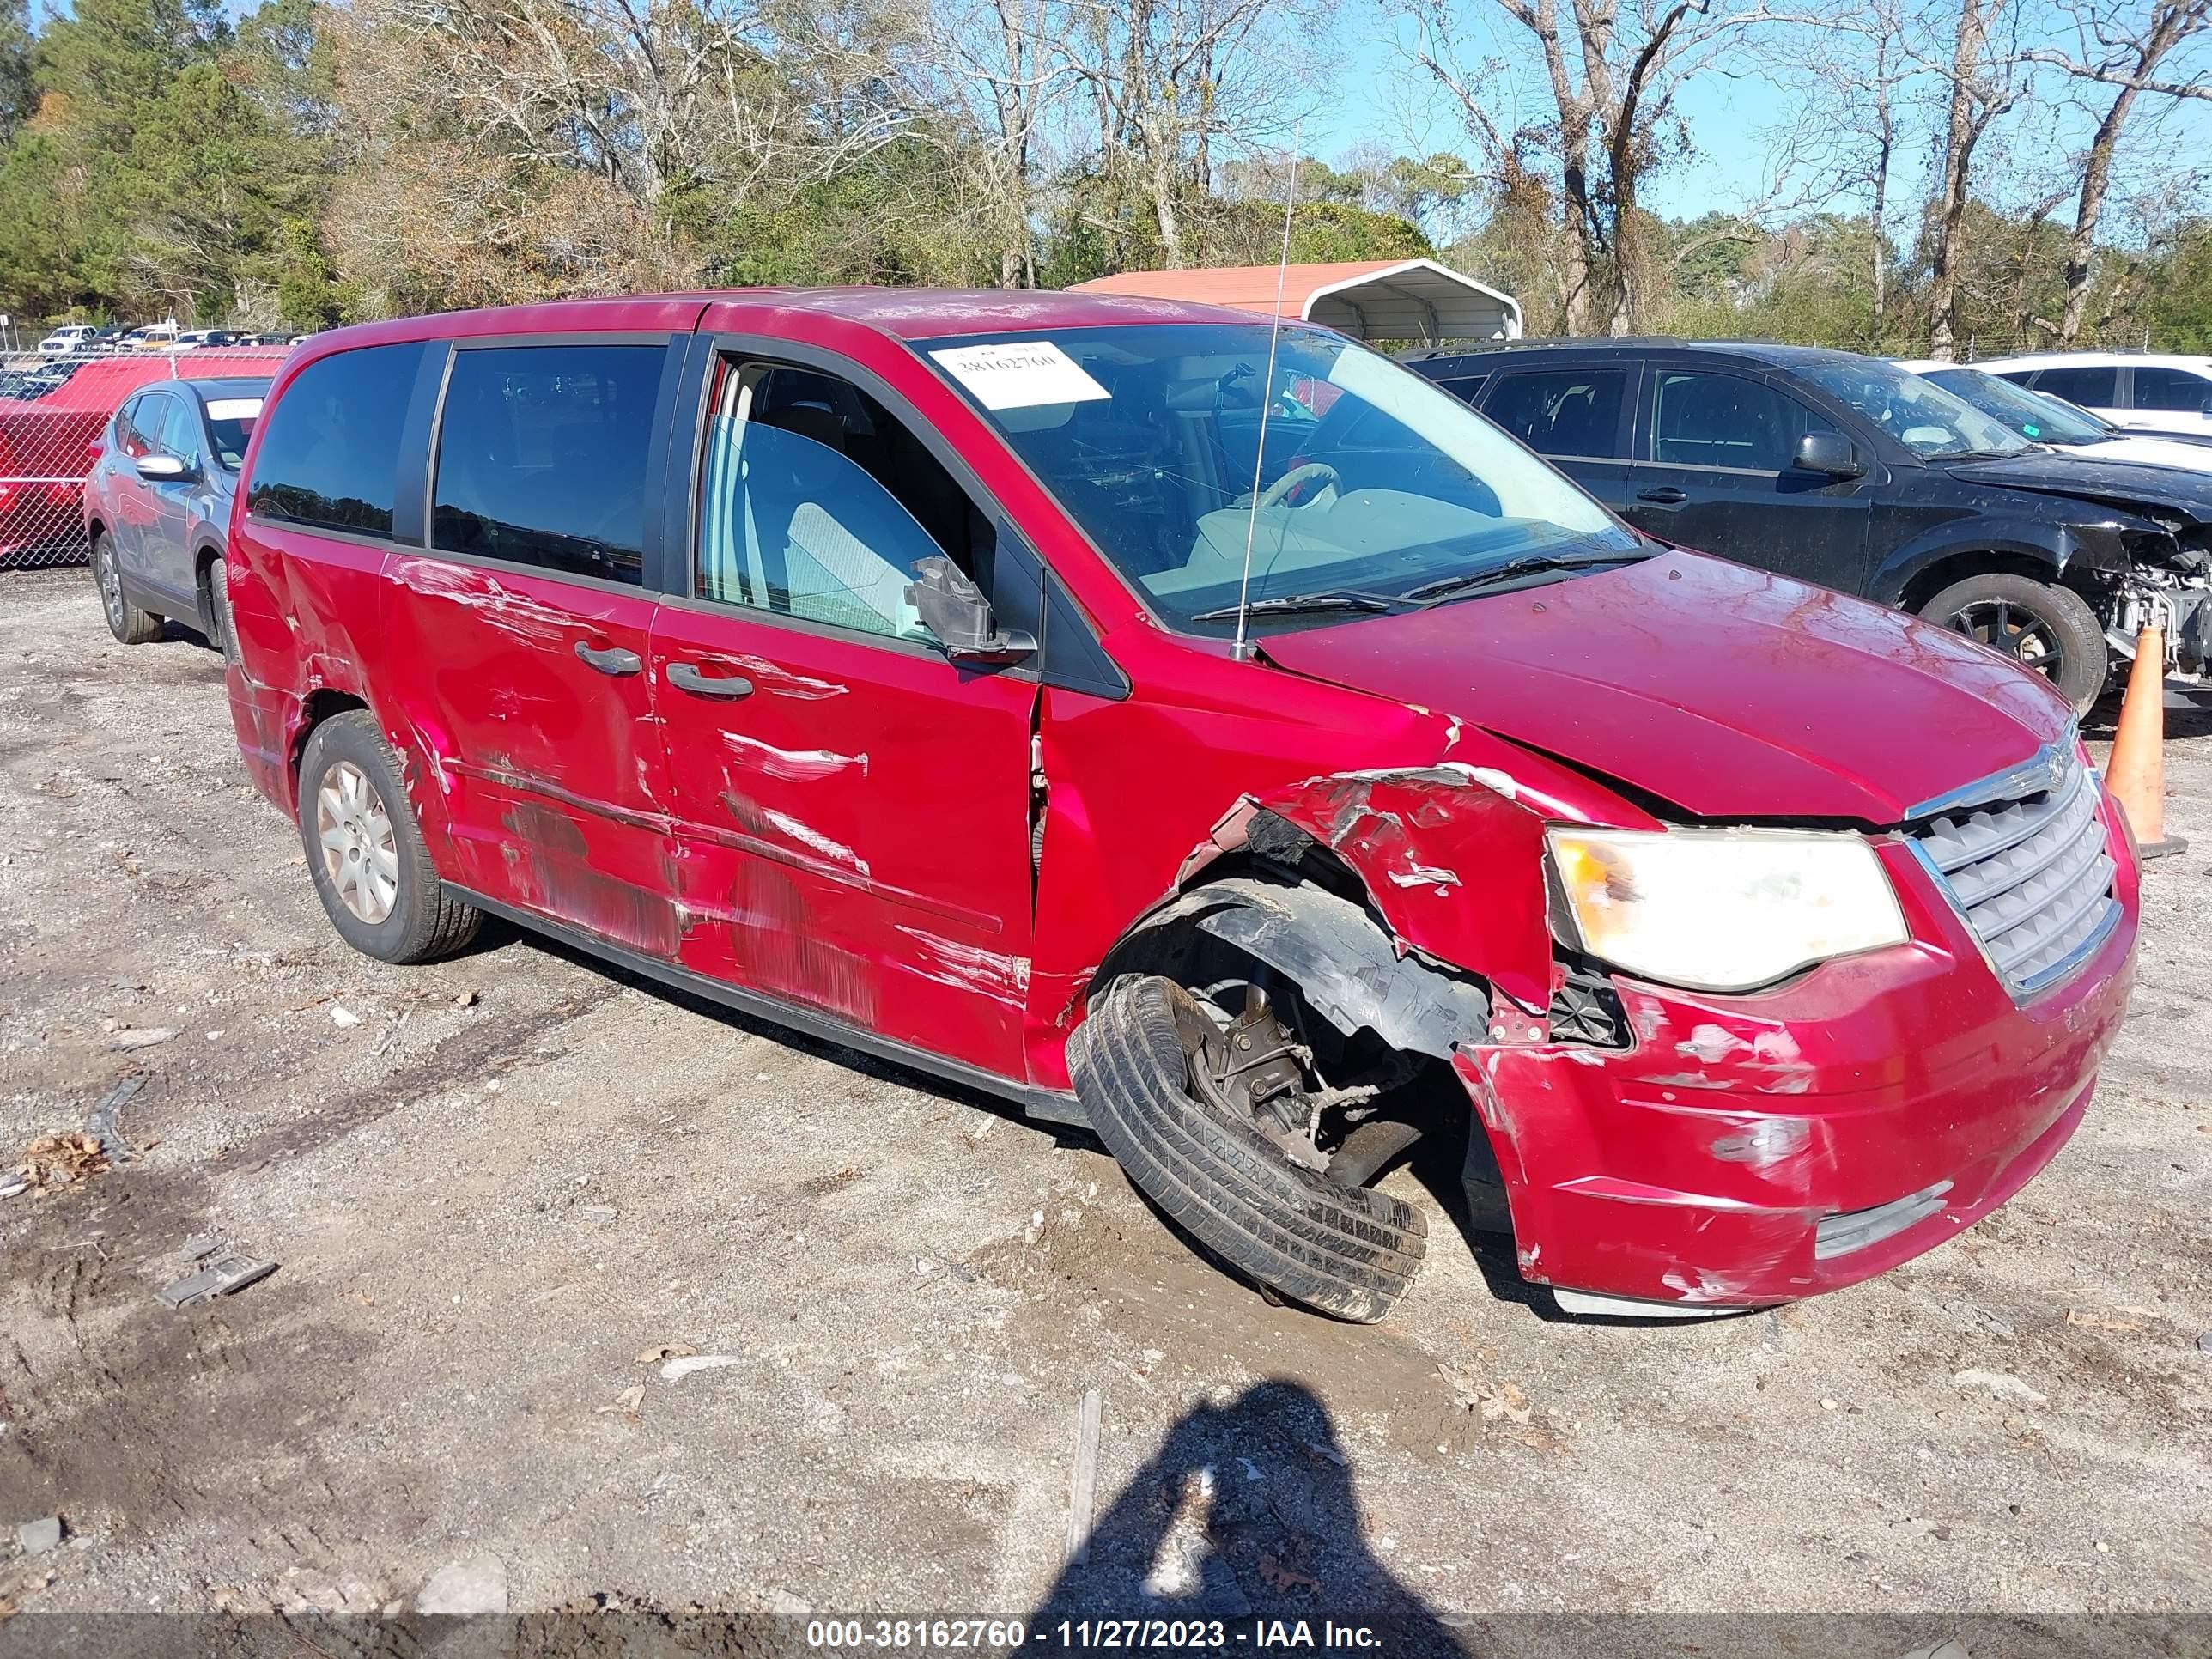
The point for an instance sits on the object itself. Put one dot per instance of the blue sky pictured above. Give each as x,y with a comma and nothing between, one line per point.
1730,118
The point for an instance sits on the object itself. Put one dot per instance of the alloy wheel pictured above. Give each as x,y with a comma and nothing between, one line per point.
361,855
111,585
2010,629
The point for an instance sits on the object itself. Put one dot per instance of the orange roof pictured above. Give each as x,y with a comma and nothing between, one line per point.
1378,299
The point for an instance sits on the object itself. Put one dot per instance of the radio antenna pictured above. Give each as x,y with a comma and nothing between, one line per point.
1242,649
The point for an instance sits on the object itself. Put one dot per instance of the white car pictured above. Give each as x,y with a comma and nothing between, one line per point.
2043,418
153,337
2140,389
69,337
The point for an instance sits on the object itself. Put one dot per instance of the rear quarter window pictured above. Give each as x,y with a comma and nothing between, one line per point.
2157,386
330,458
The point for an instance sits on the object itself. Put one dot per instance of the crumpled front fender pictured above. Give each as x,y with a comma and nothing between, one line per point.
1452,855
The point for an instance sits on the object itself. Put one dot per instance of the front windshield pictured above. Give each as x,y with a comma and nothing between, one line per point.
2043,420
1931,422
1374,488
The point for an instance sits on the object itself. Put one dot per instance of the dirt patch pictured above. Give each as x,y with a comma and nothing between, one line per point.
501,1179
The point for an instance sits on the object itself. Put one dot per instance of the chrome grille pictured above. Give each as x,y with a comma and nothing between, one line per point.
2030,873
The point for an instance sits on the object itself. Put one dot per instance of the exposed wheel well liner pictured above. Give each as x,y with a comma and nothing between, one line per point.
1340,957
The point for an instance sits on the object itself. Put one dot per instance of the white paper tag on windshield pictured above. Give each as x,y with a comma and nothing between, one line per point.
233,409
1024,375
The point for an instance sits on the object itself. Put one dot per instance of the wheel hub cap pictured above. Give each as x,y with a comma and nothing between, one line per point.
360,853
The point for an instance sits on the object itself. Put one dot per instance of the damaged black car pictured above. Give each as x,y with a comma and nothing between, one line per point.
1852,472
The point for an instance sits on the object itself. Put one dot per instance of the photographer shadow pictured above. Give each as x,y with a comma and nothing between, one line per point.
1245,1515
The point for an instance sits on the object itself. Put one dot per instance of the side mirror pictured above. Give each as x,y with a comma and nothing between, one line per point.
158,468
954,609
1830,453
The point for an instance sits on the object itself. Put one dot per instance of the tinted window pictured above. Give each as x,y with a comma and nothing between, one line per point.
1724,419
541,457
1568,412
2091,388
2172,388
1465,387
332,456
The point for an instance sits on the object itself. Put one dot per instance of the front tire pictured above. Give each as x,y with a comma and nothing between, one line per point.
371,866
126,620
222,634
2039,625
1345,1250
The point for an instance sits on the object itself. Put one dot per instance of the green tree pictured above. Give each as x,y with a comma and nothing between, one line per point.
19,91
38,277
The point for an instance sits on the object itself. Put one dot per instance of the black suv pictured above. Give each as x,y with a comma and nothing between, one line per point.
1852,472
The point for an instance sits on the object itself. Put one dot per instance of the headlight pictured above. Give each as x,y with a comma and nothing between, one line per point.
1724,909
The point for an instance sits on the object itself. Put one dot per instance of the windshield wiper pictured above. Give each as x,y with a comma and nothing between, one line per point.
1288,604
1453,587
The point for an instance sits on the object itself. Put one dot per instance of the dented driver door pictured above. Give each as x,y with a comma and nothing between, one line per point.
851,808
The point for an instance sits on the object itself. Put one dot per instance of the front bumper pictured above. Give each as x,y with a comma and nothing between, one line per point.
1751,1150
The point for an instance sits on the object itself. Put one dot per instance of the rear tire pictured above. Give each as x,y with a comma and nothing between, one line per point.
2039,625
371,866
125,620
1344,1251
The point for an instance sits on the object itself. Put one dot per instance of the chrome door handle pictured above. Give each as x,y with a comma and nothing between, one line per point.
687,677
1665,494
609,659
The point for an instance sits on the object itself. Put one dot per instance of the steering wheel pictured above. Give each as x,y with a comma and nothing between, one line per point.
1309,473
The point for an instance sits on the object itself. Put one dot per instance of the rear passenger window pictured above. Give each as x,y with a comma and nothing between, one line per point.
2176,389
541,457
1567,411
2092,387
330,458
1465,387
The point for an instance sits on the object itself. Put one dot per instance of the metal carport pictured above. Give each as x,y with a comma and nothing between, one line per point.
1416,300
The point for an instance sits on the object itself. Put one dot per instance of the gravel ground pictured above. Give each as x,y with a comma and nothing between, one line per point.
499,1187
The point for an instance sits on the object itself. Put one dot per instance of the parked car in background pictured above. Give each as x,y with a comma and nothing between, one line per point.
36,379
150,336
157,506
2045,418
876,660
1855,473
2136,389
52,416
68,338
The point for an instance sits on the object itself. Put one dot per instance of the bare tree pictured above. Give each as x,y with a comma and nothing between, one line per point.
995,67
1982,72
1168,79
2122,44
1613,69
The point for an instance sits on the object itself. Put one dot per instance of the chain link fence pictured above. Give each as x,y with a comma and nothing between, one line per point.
53,410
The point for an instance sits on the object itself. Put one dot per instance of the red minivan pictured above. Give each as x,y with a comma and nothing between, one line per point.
1227,741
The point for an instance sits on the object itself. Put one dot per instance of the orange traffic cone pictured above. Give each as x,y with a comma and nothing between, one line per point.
2135,771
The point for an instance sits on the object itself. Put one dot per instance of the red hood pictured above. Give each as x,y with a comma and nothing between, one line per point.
1729,691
